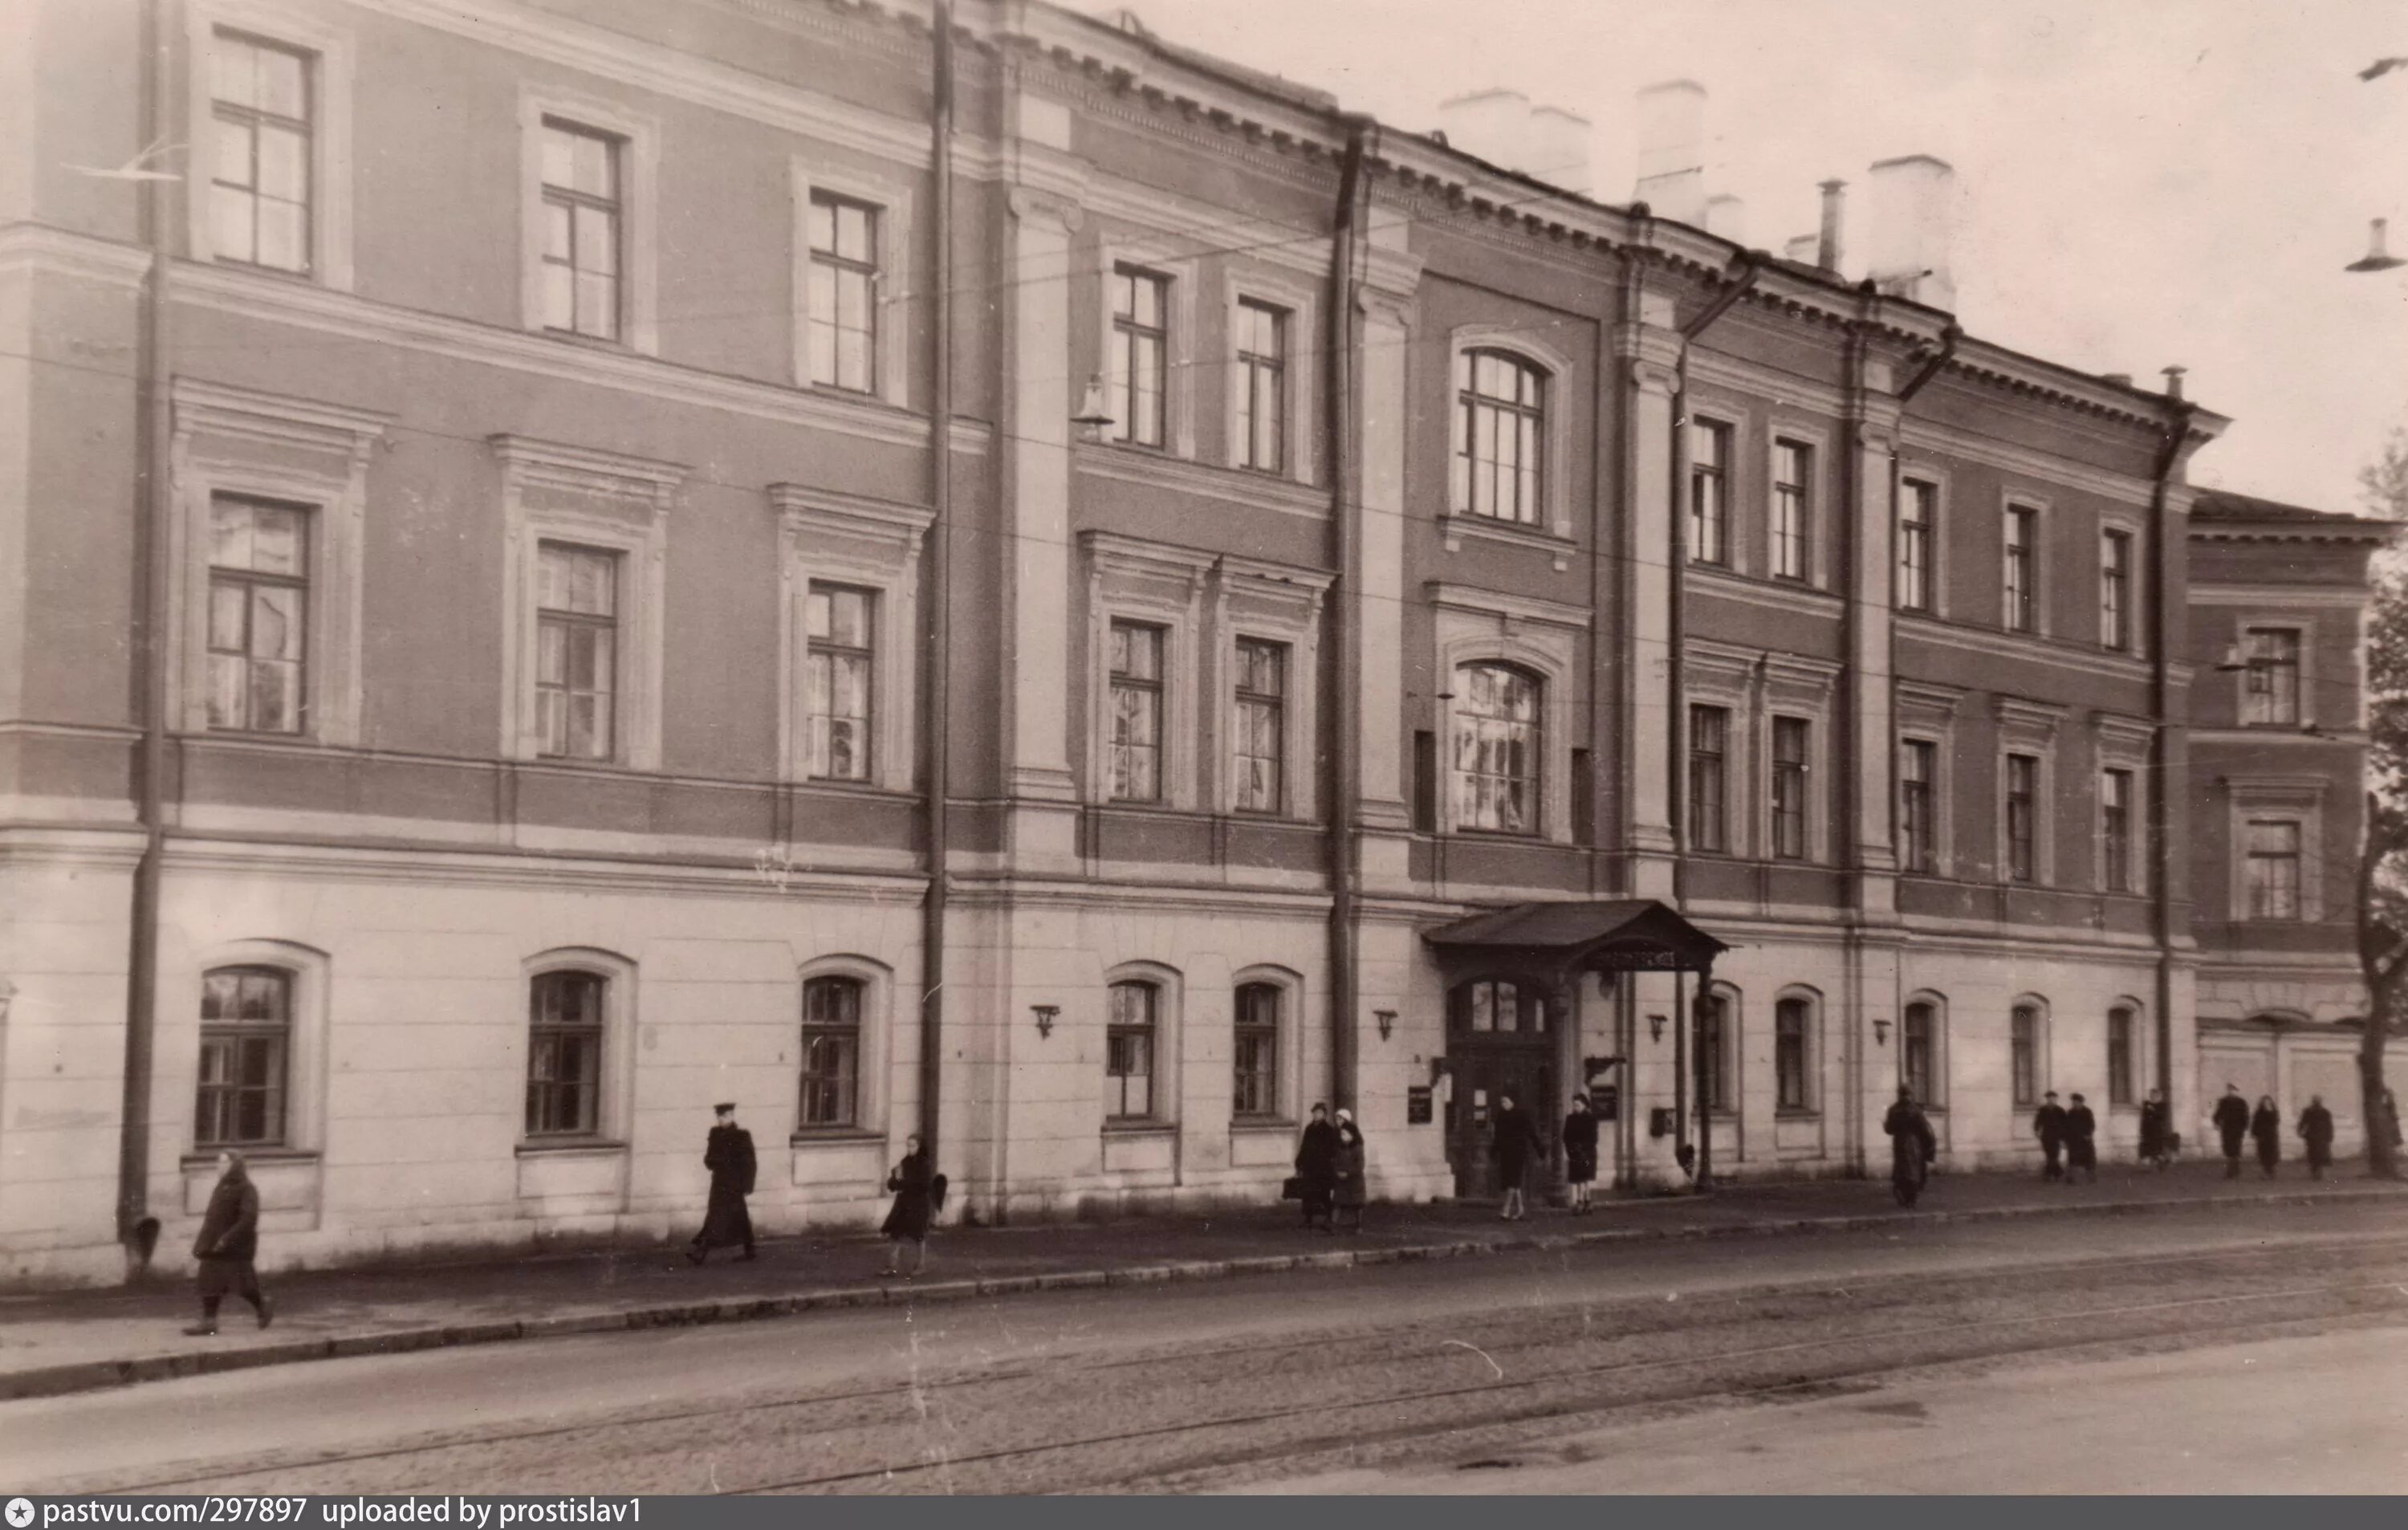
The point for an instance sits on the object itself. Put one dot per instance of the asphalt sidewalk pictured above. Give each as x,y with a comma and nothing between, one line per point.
75,1341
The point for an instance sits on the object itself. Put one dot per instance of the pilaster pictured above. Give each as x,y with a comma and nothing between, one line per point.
1868,842
1371,671
1647,354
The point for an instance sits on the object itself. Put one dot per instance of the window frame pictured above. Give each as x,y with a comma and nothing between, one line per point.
809,175
2119,623
1534,750
1700,762
825,538
1809,446
1284,987
868,269
1543,638
640,228
1155,687
874,981
1122,335
1928,713
811,1084
1159,1030
2021,862
278,1031
1466,403
817,650
1787,778
2029,729
614,1087
1556,452
1724,1091
2118,784
332,81
1931,1092
2022,602
250,581
1249,370
1300,302
575,200
1724,433
569,621
309,973
1250,600
1918,857
2296,858
2296,800
2122,1063
1930,604
588,1090
2298,632
2028,1069
1796,1053
1276,704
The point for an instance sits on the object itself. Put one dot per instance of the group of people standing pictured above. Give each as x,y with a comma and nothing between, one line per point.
2068,1138
1331,1163
2264,1126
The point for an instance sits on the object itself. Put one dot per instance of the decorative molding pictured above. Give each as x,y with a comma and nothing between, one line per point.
1557,546
576,469
1255,491
1253,598
1921,433
36,250
1780,595
1509,610
2032,722
2347,597
875,545
1993,644
1161,585
2126,740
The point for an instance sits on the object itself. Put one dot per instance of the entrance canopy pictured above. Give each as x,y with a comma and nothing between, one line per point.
1612,935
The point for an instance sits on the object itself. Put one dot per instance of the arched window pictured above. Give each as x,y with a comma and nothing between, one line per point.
2023,1053
1919,1051
1717,1034
1793,1054
565,1039
831,1073
1496,748
1129,1051
246,1057
1255,1082
2122,1024
1500,423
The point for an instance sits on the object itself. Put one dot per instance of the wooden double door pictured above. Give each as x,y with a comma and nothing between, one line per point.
1501,1042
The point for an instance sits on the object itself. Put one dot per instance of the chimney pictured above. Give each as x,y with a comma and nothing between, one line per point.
1502,127
1913,227
1827,245
2173,381
1672,149
1800,249
1726,218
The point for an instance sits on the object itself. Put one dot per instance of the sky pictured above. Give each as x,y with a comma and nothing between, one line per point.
2146,184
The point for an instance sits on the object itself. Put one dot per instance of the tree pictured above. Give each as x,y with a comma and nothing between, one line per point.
2383,859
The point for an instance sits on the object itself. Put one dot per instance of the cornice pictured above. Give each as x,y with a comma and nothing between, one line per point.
1128,554
2039,719
57,251
1920,434
1765,593
2352,597
1547,613
579,469
2116,728
1993,644
1255,570
803,507
224,410
2332,531
1256,491
1719,369
1930,697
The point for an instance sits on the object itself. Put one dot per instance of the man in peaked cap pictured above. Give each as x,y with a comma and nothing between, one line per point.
729,1157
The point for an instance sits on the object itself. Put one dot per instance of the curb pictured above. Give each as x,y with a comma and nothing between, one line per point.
100,1375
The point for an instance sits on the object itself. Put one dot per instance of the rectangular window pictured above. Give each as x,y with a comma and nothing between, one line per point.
2115,591
1259,387
1918,512
1499,436
2119,1056
1262,726
842,634
1789,753
2115,829
1709,748
1255,1086
2271,694
246,1041
1791,1055
1140,360
259,614
2022,592
262,120
2023,807
576,652
1793,509
1496,749
2023,1054
842,332
831,1052
1133,763
1128,1052
1919,1051
1918,822
1709,493
582,230
563,1097
2273,848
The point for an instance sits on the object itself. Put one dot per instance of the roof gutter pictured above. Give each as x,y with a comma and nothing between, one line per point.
2161,736
1344,797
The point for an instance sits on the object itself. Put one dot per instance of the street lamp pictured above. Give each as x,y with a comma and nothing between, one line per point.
1093,418
2378,258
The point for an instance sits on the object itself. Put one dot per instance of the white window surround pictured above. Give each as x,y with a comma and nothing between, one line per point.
1182,276
1170,996
639,225
1301,367
2136,585
1554,480
1804,689
2142,1035
1276,604
869,544
1291,1040
893,200
1817,442
1812,998
1726,412
1939,1006
872,1060
2030,728
1925,473
312,974
1545,638
2043,1064
1927,713
594,499
1734,1053
2243,622
331,85
2292,799
1161,586
2122,743
2044,514
233,441
1725,677
615,1107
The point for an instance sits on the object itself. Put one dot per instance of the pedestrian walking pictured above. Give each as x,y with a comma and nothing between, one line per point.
2266,1130
1316,1168
2231,1120
228,1245
1580,1151
2316,1130
2048,1124
1914,1146
916,1190
1516,1143
727,1222
2081,1143
2157,1131
1350,1166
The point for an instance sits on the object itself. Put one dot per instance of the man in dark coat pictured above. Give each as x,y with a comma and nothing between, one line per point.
1317,1167
2231,1120
727,1222
2157,1131
2048,1124
227,1244
1579,1150
1516,1143
914,1182
1914,1146
2081,1142
2316,1130
2266,1128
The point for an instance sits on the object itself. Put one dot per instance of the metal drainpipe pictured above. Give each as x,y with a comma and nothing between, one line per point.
936,705
153,505
2162,785
1344,794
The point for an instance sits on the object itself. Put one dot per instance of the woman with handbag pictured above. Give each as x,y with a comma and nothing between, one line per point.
907,1221
1316,1167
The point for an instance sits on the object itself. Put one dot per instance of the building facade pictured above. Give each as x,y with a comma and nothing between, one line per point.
501,541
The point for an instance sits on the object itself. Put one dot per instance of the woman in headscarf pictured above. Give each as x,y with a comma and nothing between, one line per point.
1349,1193
1316,1167
914,1208
2266,1128
227,1245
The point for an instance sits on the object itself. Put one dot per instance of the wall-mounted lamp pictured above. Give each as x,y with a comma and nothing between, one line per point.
1881,1032
1093,416
1654,1027
1046,1015
2233,662
1386,1019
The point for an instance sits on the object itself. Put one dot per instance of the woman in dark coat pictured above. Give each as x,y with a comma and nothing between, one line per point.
914,1208
2157,1131
1579,1150
1516,1144
1350,1192
227,1244
2316,1130
1316,1167
2266,1128
726,1222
